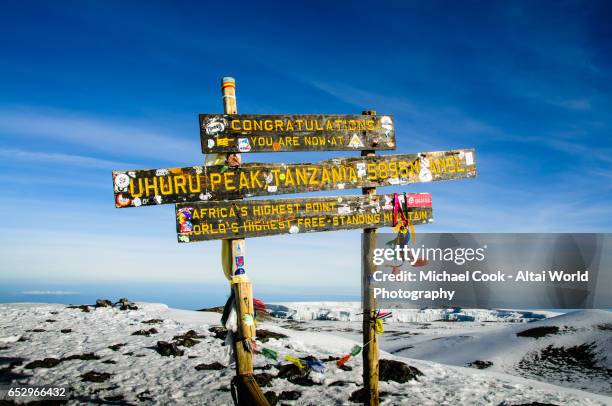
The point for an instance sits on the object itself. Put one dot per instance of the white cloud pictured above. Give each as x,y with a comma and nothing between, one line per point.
49,293
62,159
119,138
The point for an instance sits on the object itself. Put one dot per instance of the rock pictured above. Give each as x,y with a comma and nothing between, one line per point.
115,347
144,396
263,367
289,395
480,364
84,357
271,397
145,332
538,332
359,396
289,370
186,342
109,361
123,301
104,303
93,376
263,379
66,330
84,308
391,370
265,335
128,307
216,309
153,321
218,332
302,381
346,368
44,363
187,339
50,321
532,404
37,330
215,366
114,398
167,349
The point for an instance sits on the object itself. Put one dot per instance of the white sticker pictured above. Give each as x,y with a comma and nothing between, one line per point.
425,173
161,172
344,209
340,185
243,145
361,169
387,124
206,196
272,188
214,125
136,201
158,199
355,142
210,143
122,181
393,181
469,158
294,229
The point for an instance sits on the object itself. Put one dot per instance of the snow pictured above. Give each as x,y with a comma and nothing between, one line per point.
139,372
351,311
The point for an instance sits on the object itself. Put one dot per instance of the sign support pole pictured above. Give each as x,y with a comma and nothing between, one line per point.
370,352
233,257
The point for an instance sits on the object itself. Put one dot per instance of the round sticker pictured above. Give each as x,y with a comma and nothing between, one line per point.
122,181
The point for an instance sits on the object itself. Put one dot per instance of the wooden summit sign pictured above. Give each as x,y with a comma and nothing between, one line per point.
197,183
222,133
202,221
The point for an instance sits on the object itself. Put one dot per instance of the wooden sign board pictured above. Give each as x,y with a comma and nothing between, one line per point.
203,183
222,133
201,221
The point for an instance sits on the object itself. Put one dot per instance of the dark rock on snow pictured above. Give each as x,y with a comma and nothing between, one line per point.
392,370
265,335
218,332
167,349
480,364
116,347
93,376
44,363
153,321
290,395
104,303
538,332
271,397
66,330
145,332
263,379
215,366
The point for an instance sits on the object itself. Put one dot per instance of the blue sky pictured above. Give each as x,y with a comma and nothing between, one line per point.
88,87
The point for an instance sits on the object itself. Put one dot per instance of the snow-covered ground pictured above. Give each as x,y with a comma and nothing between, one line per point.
133,371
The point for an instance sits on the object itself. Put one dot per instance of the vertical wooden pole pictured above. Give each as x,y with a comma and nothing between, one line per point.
370,351
233,261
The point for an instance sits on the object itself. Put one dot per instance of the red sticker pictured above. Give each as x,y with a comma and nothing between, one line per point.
419,200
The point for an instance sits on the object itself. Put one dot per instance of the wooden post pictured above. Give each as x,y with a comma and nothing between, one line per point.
370,351
233,261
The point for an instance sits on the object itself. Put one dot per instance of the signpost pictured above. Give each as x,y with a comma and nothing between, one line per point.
209,201
197,183
201,221
303,132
